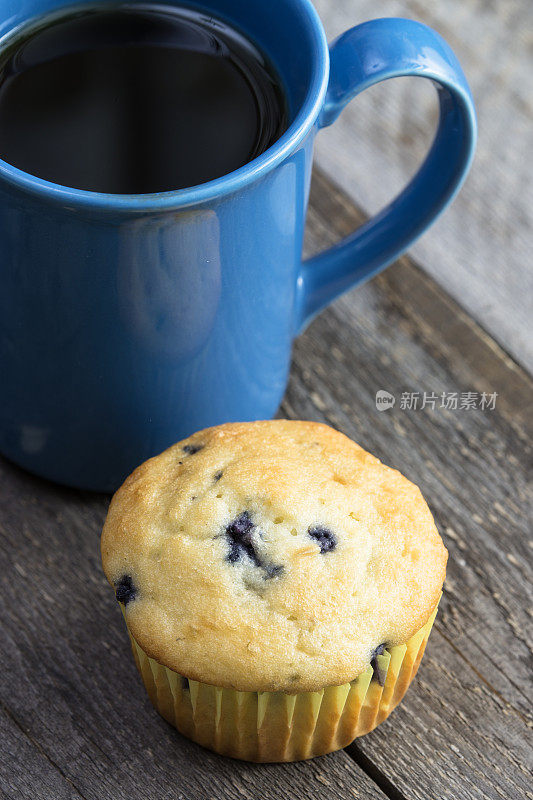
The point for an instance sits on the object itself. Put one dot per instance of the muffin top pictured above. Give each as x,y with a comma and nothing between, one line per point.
271,556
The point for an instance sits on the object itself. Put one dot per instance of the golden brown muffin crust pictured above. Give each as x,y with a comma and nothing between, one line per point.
271,556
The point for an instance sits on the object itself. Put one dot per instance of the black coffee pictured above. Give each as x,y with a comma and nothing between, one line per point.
136,99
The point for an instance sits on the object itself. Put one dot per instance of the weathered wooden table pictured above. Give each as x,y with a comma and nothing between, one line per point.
480,251
75,719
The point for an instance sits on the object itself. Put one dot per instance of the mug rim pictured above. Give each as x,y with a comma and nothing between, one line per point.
302,123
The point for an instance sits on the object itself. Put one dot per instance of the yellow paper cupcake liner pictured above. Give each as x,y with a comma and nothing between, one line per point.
274,726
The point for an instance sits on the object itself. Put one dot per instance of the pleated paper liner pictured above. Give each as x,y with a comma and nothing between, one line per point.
274,726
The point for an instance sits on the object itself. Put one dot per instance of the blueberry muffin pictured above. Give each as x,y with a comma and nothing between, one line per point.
278,584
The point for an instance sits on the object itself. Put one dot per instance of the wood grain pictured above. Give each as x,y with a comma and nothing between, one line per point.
400,333
23,765
480,249
80,723
76,721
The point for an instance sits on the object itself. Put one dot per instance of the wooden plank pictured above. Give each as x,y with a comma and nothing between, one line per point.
464,730
480,249
69,681
23,767
455,738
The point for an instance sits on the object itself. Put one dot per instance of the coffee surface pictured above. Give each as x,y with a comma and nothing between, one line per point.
136,99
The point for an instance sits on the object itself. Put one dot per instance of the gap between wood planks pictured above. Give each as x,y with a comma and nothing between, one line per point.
40,750
375,773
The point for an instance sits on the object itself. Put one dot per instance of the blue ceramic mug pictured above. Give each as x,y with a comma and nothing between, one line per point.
128,322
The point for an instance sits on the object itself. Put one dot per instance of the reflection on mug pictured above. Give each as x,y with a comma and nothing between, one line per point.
169,281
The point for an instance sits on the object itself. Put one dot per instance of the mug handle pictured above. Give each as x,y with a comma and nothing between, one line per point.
365,55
